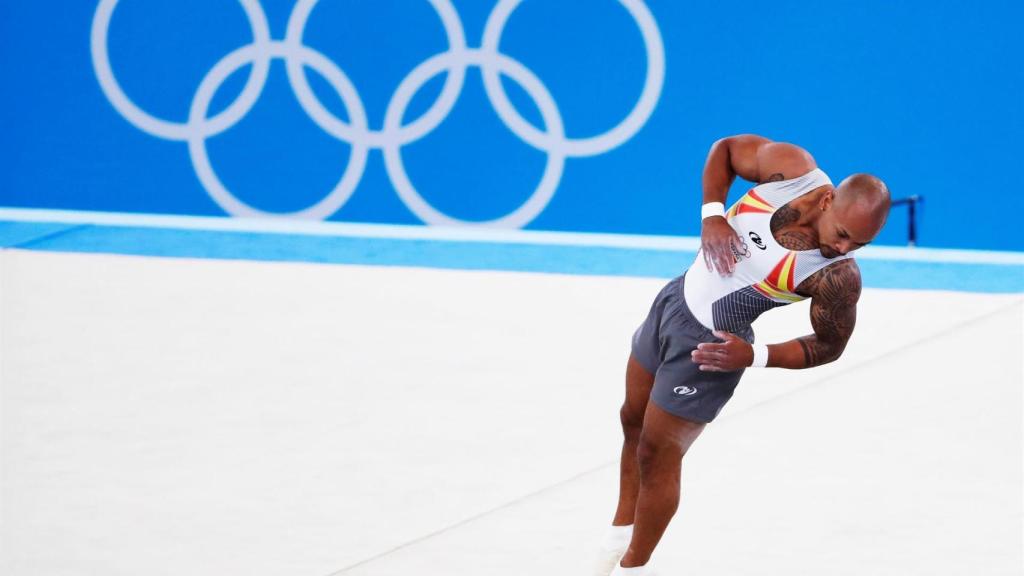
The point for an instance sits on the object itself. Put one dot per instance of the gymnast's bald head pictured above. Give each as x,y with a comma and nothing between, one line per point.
866,193
854,214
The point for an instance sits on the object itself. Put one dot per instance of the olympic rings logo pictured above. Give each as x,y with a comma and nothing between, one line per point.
394,134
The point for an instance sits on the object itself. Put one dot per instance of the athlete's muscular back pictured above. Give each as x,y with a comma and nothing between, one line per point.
803,224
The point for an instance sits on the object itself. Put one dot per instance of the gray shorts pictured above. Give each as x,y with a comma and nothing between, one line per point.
662,345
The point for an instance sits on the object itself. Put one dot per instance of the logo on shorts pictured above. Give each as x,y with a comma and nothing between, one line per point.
757,240
684,390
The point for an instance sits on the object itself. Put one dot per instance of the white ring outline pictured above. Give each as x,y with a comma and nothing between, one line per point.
290,53
433,66
167,129
592,145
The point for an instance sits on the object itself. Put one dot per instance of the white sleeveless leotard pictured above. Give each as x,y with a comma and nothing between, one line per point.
766,273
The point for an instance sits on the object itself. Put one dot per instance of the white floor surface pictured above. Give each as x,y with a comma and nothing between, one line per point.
201,417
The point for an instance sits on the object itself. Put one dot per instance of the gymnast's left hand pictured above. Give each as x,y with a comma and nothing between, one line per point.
734,353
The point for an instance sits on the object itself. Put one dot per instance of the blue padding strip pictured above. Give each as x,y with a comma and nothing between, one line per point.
23,234
464,255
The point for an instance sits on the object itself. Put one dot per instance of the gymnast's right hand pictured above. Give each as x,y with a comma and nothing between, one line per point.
719,241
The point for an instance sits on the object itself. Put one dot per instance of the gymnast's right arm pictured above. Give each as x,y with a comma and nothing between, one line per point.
755,159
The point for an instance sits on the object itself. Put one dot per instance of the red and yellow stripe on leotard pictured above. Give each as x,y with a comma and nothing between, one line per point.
750,203
780,285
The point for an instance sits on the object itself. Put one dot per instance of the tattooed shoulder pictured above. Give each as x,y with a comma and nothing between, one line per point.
783,217
833,281
791,239
795,240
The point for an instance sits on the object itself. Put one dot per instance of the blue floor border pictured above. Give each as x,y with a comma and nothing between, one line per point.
560,258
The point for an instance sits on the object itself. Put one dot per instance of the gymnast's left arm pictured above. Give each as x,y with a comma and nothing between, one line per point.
834,292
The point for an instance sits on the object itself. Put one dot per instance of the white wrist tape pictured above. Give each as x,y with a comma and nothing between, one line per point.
712,209
760,356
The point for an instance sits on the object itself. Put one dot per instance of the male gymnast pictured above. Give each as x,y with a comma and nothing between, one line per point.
789,238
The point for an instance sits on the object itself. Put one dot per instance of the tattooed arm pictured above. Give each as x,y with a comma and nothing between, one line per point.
834,291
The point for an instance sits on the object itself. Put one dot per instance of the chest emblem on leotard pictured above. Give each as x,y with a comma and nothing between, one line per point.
757,240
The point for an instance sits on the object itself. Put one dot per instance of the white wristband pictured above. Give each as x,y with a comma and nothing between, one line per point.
712,209
760,356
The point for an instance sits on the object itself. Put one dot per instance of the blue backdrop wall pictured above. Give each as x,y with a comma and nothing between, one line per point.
576,115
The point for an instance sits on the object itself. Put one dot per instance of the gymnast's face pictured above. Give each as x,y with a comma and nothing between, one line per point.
846,225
